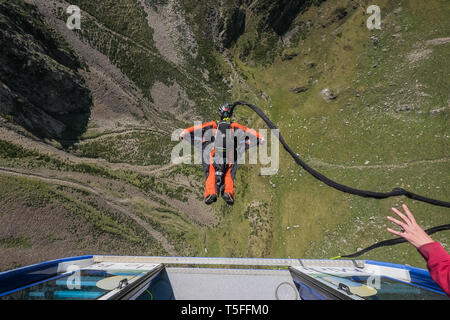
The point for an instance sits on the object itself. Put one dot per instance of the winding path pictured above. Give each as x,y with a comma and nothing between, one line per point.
115,204
321,163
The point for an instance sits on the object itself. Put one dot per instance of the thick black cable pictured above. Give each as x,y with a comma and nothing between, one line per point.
343,188
392,242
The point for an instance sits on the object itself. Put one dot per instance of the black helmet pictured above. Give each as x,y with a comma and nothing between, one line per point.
225,111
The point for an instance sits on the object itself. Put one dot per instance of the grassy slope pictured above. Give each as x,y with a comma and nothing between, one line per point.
92,226
131,48
133,148
350,131
46,221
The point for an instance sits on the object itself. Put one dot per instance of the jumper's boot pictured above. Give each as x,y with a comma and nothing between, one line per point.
228,198
210,186
209,199
228,190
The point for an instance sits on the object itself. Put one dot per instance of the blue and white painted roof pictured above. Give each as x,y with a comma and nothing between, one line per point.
203,278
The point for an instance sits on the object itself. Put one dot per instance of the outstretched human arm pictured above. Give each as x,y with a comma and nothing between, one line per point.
438,263
438,260
197,132
250,137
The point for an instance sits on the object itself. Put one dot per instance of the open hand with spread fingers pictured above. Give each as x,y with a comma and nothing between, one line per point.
410,230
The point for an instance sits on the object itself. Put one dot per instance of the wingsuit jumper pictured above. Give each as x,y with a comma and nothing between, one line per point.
222,143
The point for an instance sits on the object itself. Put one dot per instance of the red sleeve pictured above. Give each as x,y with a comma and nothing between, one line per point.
247,130
200,129
438,263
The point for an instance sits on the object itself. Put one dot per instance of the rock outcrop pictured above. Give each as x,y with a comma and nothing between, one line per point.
226,22
227,19
282,13
40,87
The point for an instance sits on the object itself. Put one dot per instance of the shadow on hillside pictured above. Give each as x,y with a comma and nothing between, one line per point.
41,87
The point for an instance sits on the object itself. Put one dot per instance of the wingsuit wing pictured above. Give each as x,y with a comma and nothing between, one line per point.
200,134
246,138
